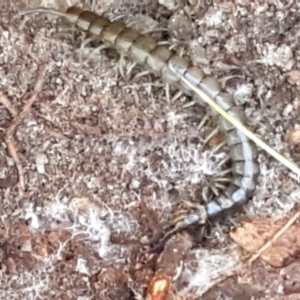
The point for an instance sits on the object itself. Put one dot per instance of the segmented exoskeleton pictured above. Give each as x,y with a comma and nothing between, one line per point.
161,61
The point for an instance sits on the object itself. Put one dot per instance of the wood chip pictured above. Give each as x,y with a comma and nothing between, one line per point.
158,287
277,243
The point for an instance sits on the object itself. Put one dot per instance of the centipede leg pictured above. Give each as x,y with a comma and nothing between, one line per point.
176,96
203,121
141,74
130,68
98,49
83,45
87,41
121,65
189,104
217,148
226,180
167,87
214,132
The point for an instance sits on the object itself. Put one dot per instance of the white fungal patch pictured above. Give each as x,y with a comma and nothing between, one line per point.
205,271
272,55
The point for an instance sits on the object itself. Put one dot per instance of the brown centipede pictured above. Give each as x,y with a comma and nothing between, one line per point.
145,50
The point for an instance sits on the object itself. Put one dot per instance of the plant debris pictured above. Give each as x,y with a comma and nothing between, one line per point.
94,165
276,242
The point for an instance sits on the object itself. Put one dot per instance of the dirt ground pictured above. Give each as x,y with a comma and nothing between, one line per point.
108,159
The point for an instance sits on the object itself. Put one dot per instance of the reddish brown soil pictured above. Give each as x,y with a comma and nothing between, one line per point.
107,161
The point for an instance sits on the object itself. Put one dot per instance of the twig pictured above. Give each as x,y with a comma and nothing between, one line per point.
5,101
240,126
276,236
19,119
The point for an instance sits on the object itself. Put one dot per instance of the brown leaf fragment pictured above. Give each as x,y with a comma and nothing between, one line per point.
158,287
294,76
216,140
280,250
293,136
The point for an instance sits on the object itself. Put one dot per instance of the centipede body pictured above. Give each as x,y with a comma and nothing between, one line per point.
167,64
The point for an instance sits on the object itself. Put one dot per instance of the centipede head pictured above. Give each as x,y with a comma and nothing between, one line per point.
183,221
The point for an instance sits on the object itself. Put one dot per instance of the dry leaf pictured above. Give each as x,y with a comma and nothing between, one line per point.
253,235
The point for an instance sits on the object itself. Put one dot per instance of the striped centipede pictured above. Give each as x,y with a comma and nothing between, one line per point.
172,68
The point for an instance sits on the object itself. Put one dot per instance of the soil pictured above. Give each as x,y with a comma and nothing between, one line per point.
95,163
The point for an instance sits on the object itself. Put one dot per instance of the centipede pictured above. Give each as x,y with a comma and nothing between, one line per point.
167,64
